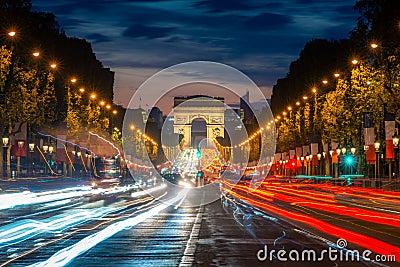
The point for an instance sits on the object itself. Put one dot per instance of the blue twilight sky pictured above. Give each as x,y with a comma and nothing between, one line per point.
137,38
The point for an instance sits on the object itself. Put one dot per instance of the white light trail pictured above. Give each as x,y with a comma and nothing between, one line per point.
22,230
68,254
19,231
105,140
29,198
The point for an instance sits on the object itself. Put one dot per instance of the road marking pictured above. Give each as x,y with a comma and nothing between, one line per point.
189,254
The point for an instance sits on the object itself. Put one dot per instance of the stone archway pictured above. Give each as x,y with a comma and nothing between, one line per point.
190,108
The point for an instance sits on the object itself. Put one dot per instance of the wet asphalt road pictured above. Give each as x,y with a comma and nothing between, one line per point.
223,233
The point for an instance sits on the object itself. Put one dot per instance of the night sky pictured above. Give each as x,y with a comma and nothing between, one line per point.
260,38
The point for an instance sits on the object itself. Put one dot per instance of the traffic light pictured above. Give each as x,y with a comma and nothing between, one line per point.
200,174
198,153
349,160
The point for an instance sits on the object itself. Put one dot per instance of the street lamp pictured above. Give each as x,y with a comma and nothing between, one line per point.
353,150
31,150
338,150
51,149
20,144
319,156
307,167
31,147
377,146
5,141
396,148
11,33
374,45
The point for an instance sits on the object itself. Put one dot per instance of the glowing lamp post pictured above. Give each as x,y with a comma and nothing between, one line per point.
20,146
31,147
396,156
31,150
377,146
319,156
5,141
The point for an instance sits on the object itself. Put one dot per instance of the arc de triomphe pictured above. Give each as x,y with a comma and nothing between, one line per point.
189,108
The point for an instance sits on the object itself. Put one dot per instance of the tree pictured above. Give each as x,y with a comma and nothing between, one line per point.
379,23
319,59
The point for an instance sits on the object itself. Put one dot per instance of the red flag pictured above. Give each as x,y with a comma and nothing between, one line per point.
335,157
389,150
370,154
19,150
314,161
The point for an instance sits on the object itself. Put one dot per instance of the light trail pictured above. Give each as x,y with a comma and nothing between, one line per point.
370,243
110,143
29,198
68,254
147,201
20,231
66,141
326,205
25,229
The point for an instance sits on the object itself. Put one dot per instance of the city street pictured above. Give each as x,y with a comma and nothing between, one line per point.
122,226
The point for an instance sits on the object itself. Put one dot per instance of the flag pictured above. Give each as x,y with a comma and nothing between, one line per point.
335,158
292,153
314,149
306,150
60,152
390,130
369,134
19,132
314,161
370,154
299,151
19,148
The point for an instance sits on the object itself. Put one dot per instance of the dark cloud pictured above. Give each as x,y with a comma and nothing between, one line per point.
98,38
268,21
258,37
345,10
273,5
150,32
221,6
